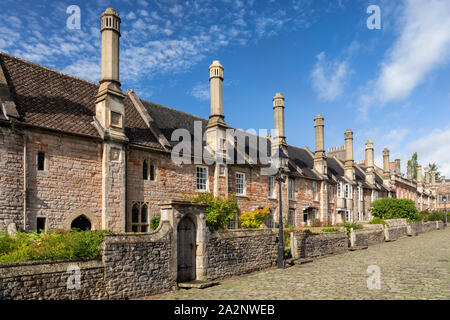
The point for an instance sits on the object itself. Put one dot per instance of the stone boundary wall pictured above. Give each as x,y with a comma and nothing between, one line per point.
236,252
367,237
395,233
138,265
47,280
313,245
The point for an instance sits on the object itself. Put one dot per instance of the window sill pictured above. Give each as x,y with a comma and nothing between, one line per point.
242,196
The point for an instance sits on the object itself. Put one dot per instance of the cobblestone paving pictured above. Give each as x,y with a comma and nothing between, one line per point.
411,268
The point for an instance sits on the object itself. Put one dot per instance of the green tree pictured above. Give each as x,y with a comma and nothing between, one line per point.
392,208
413,164
434,170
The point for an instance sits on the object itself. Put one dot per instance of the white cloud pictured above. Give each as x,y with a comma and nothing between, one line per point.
329,78
423,45
200,91
433,148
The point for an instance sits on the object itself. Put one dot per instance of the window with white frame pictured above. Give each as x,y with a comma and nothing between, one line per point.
360,193
330,193
349,215
339,190
271,186
240,183
202,178
376,195
360,216
291,189
347,191
315,193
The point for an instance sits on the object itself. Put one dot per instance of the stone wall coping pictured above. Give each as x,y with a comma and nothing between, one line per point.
239,233
131,237
16,269
323,234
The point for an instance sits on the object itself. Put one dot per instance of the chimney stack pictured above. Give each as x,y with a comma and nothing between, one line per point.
398,169
386,168
427,177
419,178
320,163
109,108
433,178
278,112
349,170
369,155
442,179
216,83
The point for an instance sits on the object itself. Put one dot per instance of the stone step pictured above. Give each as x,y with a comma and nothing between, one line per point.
197,284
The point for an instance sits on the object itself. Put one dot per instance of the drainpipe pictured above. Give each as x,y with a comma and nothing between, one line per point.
126,186
25,185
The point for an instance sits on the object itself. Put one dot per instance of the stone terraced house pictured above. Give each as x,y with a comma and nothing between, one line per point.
79,154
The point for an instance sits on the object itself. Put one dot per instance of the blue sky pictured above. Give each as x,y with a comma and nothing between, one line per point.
389,85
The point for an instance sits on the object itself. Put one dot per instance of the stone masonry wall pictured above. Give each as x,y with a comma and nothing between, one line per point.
40,280
138,265
11,178
71,183
236,252
312,245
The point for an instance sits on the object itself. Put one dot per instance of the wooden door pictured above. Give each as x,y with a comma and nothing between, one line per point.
186,250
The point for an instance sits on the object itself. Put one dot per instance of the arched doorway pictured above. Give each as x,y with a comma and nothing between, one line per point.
186,250
81,223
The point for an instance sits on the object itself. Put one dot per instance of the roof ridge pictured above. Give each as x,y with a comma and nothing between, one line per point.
173,109
47,68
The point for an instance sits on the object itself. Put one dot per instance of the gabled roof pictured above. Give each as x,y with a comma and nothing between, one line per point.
50,99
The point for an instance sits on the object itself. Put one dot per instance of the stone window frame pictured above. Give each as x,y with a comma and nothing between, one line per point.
238,183
45,164
111,119
360,193
348,191
330,193
271,185
291,186
151,169
140,225
360,215
340,189
315,191
349,215
206,178
45,223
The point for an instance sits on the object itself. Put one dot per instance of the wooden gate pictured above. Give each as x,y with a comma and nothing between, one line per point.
186,250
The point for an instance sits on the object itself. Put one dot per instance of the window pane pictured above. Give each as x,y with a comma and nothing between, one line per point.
144,229
201,178
41,160
152,171
134,228
144,213
144,170
135,214
240,178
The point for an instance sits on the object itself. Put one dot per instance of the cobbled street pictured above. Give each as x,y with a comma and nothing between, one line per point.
411,268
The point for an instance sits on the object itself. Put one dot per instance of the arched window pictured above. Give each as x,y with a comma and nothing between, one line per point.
81,223
145,170
139,217
152,171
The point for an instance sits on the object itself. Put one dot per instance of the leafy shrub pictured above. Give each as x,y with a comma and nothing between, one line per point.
436,216
377,220
391,208
255,218
350,225
154,222
52,245
219,211
329,229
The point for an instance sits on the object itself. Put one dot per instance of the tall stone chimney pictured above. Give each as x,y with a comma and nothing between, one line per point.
320,162
433,178
409,172
109,108
369,156
349,170
386,168
216,83
427,177
398,169
419,178
278,113
110,121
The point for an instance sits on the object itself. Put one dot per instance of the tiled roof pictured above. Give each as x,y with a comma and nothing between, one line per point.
53,100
